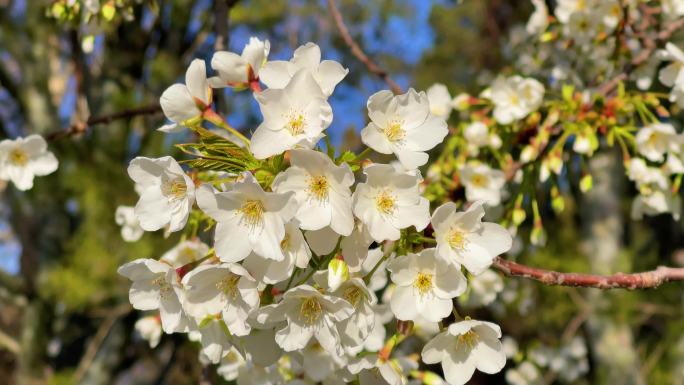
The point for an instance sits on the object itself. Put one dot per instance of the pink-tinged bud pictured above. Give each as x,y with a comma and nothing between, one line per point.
405,327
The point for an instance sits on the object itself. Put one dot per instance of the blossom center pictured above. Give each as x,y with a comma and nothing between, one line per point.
469,338
457,239
252,212
385,202
479,180
423,283
175,188
394,132
310,311
353,295
18,157
319,187
163,285
228,286
295,124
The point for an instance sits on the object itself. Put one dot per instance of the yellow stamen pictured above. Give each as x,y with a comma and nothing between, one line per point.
385,202
394,132
228,286
18,157
252,212
353,295
310,310
457,239
175,189
479,180
423,283
318,187
295,124
164,288
469,338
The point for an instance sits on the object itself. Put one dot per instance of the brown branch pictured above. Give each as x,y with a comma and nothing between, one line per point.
358,52
79,128
645,280
650,45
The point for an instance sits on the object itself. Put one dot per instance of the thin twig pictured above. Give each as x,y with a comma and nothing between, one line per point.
97,341
645,280
79,128
358,52
9,343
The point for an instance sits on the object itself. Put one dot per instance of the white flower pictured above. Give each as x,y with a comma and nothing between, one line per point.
156,286
440,100
185,104
672,8
672,75
376,338
295,250
214,338
227,289
247,219
464,347
565,8
654,201
355,246
484,288
321,189
642,174
185,252
239,70
390,201
425,286
356,329
166,193
483,183
514,97
654,140
130,227
372,369
404,126
327,73
150,329
230,365
294,116
318,364
309,314
22,159
464,240
477,134
525,374
539,19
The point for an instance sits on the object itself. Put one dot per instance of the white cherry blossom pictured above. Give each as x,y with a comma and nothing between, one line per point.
321,189
309,314
390,201
425,286
130,226
483,183
440,100
166,193
654,140
462,238
225,288
294,116
248,219
539,19
404,126
239,70
156,286
185,104
514,97
464,347
214,338
150,329
22,159
327,73
185,252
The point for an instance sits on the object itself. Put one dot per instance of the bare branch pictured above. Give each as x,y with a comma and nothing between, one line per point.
358,52
645,280
650,45
79,128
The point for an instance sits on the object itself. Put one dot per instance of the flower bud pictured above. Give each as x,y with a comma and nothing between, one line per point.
338,273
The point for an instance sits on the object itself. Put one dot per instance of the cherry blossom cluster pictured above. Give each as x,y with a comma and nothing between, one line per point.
293,281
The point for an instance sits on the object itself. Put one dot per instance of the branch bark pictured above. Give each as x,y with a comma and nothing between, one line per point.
644,280
79,128
358,52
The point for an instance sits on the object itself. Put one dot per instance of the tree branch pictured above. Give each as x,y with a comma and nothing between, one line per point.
645,280
79,128
358,52
650,45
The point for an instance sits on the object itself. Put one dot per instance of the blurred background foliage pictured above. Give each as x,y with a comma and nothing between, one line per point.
63,310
